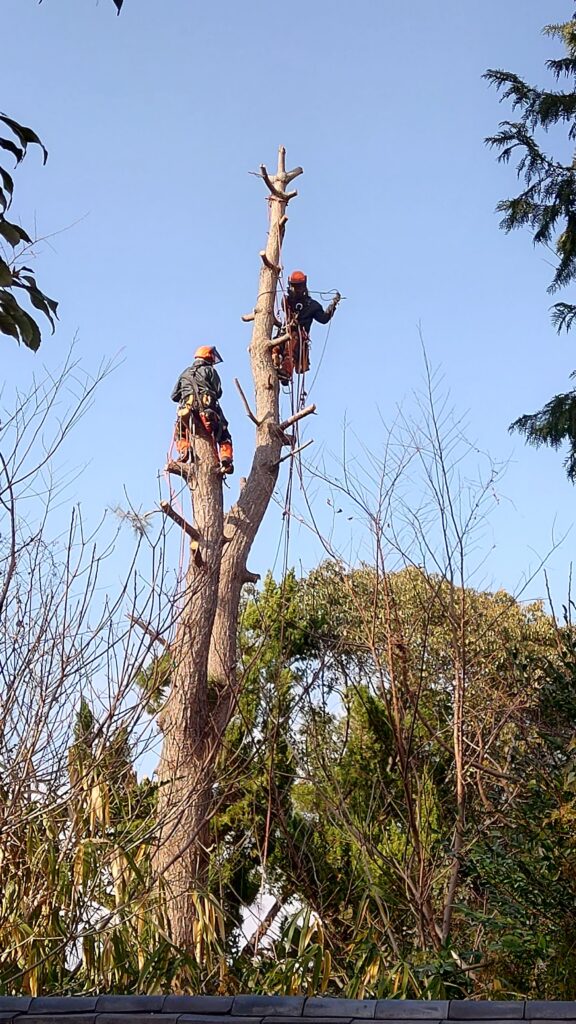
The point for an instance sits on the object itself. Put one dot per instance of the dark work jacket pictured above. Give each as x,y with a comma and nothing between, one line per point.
311,310
199,379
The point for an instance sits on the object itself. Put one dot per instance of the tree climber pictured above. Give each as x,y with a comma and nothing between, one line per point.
198,390
300,309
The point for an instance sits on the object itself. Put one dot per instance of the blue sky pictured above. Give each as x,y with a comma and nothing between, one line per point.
153,121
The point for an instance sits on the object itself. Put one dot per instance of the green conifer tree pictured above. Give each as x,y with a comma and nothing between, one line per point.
547,206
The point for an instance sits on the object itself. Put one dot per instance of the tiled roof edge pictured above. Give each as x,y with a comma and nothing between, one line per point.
188,1009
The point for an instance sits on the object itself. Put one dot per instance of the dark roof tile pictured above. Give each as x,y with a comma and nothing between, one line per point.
55,1018
290,1020
63,1004
198,1004
268,1006
413,1020
205,1018
136,1018
415,1009
334,1007
561,1009
485,1009
129,1004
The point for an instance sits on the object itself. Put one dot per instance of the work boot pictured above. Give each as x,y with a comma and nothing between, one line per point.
183,453
226,467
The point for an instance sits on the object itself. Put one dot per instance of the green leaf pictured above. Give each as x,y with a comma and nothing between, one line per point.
7,185
7,326
17,153
13,233
24,134
5,273
38,299
28,328
51,303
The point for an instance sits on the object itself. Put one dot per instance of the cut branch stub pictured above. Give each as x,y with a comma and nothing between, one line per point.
183,469
293,174
272,342
277,193
296,451
298,416
188,529
251,577
268,263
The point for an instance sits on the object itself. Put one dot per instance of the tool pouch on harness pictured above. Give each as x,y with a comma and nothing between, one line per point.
293,355
300,342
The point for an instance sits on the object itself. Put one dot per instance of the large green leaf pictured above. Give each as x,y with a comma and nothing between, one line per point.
38,299
5,273
6,189
17,153
13,233
51,303
7,326
24,134
28,329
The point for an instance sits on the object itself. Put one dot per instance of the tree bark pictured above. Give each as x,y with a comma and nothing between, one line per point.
205,684
184,789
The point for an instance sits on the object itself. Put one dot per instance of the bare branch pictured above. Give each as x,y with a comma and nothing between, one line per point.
298,416
290,455
251,946
249,412
149,630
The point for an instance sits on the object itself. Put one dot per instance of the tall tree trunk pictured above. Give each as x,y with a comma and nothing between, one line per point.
205,684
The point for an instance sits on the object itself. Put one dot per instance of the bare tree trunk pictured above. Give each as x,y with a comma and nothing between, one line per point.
204,684
184,795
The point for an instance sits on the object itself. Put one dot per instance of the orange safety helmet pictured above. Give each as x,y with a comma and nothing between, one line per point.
298,277
209,352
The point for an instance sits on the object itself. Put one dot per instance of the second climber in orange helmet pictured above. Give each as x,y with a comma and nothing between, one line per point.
300,309
300,305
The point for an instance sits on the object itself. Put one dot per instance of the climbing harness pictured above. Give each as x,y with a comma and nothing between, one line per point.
200,406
